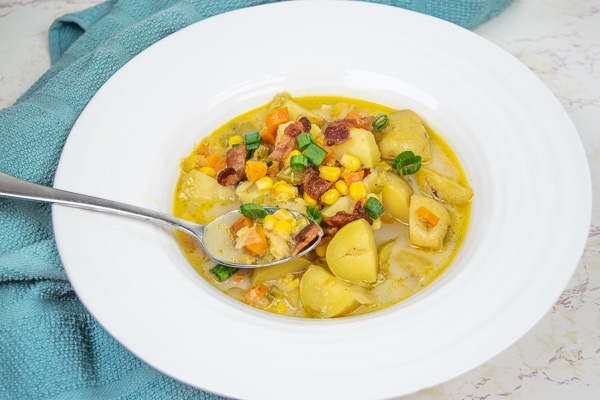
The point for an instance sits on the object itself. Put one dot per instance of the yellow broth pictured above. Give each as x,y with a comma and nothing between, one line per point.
403,268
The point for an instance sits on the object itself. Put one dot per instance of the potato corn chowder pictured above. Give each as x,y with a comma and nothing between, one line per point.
388,192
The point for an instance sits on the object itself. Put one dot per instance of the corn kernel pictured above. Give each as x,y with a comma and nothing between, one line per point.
264,183
269,222
300,224
237,139
309,200
357,190
283,214
208,171
283,228
342,187
290,280
283,187
350,162
330,174
281,308
321,249
385,165
330,196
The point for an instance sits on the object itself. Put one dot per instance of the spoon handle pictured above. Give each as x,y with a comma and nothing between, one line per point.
18,188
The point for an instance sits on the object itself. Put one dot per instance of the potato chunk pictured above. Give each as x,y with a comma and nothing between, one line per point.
197,186
420,231
361,144
260,275
324,295
395,196
205,198
404,132
344,203
442,187
352,253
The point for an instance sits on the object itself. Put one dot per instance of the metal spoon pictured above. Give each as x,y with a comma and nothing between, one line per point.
214,237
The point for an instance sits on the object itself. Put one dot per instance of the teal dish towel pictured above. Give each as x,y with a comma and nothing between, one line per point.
50,346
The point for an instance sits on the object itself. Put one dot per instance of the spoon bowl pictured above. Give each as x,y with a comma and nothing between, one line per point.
215,237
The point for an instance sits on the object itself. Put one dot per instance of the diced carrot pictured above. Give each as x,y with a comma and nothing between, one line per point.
429,217
255,170
351,177
213,158
242,222
256,242
237,278
273,119
220,165
257,295
354,115
273,169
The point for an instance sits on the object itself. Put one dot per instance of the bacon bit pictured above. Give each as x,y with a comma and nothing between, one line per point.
306,125
329,232
338,132
305,237
236,164
283,148
313,184
242,222
227,177
365,123
288,141
342,218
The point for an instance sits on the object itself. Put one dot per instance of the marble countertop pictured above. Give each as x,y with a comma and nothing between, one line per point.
559,40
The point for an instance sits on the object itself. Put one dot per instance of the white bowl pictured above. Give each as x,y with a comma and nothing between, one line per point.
520,151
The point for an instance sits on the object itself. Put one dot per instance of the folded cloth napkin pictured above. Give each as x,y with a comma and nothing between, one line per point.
50,346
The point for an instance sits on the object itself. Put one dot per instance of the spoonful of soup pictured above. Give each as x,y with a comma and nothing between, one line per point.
250,237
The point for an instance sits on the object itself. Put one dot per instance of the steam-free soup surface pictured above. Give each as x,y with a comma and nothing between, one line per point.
389,193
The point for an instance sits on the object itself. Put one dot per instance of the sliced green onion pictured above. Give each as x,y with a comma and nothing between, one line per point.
269,163
303,140
298,163
373,207
380,122
411,169
252,140
407,163
253,210
315,154
223,272
252,146
315,214
251,137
